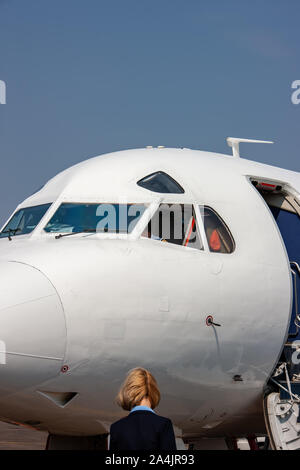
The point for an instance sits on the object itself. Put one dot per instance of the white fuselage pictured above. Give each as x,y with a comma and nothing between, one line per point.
101,304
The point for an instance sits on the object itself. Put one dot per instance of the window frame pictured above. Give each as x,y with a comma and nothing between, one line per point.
108,235
180,187
205,206
20,208
151,208
199,227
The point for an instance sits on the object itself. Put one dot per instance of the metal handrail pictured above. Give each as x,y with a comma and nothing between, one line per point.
296,265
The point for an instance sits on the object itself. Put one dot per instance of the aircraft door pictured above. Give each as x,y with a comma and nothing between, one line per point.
289,226
281,408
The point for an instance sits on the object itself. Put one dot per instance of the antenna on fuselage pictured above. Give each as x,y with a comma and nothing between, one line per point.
234,142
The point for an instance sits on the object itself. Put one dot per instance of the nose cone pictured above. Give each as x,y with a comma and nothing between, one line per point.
32,328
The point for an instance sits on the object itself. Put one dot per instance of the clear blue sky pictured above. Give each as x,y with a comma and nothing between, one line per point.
94,76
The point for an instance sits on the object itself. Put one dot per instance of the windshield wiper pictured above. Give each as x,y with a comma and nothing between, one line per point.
87,230
11,231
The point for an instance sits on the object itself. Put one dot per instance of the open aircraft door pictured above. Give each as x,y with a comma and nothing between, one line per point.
282,405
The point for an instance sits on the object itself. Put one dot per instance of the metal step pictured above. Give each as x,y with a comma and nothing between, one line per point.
281,418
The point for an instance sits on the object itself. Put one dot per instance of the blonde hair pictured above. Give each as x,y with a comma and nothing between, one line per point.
138,384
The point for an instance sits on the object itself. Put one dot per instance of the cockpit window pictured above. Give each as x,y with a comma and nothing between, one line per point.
219,238
175,223
77,218
24,220
160,182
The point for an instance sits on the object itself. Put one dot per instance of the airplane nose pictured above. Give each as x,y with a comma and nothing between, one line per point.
32,328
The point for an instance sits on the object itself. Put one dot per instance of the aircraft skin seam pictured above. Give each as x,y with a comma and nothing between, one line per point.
28,302
13,353
59,298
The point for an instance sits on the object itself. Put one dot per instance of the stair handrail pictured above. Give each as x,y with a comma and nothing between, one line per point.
296,265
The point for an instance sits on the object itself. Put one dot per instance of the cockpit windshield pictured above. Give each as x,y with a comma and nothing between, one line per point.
77,218
24,221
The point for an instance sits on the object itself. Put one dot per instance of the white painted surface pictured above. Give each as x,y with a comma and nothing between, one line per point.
102,305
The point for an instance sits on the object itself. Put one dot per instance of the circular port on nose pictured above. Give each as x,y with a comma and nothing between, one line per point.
209,320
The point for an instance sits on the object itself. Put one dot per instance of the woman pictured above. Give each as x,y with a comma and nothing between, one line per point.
142,429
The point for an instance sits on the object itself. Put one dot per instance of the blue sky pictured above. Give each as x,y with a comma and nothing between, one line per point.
94,76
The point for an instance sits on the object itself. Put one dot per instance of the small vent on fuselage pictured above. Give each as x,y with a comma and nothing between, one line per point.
61,399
